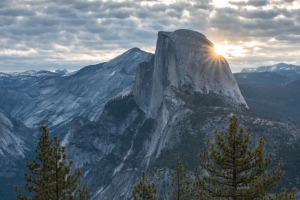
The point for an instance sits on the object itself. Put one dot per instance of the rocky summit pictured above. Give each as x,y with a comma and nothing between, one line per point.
184,58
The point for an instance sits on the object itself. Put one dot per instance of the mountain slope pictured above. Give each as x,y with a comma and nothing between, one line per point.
271,95
15,143
115,149
57,99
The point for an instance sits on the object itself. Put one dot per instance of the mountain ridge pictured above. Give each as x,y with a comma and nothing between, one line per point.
273,68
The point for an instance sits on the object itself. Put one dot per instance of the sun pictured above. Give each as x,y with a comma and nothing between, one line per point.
220,49
225,49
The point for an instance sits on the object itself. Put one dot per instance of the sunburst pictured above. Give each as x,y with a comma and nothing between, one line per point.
221,49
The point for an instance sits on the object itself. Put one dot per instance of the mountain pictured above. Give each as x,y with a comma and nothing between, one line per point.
35,96
178,99
273,68
272,95
137,111
291,71
184,59
30,97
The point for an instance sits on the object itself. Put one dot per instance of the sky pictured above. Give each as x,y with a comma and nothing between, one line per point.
71,34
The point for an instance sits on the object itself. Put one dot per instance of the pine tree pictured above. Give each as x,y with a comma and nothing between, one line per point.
181,185
50,175
233,170
144,190
284,195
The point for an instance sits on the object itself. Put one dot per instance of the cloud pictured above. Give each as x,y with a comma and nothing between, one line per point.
74,33
257,3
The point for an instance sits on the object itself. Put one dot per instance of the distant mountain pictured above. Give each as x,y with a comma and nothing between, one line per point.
291,71
273,68
272,94
35,73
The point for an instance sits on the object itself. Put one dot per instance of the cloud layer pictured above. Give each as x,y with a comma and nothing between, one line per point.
73,33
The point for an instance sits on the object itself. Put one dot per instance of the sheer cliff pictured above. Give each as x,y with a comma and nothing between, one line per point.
184,58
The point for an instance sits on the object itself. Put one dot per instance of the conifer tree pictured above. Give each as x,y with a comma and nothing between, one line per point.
233,171
144,190
284,195
50,175
181,185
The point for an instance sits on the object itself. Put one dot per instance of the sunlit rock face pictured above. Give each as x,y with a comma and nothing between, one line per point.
185,58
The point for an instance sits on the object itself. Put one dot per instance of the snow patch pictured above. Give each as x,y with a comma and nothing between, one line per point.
112,73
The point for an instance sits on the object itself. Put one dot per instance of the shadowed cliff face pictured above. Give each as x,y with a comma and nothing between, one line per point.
184,58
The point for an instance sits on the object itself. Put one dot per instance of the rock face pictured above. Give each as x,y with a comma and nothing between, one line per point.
184,58
14,142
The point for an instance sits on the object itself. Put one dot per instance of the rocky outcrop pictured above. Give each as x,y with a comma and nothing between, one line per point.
184,58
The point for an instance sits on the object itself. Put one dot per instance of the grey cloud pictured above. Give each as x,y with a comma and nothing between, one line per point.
143,15
84,27
179,7
16,12
61,12
225,19
262,23
262,14
40,21
257,2
158,8
268,24
6,21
